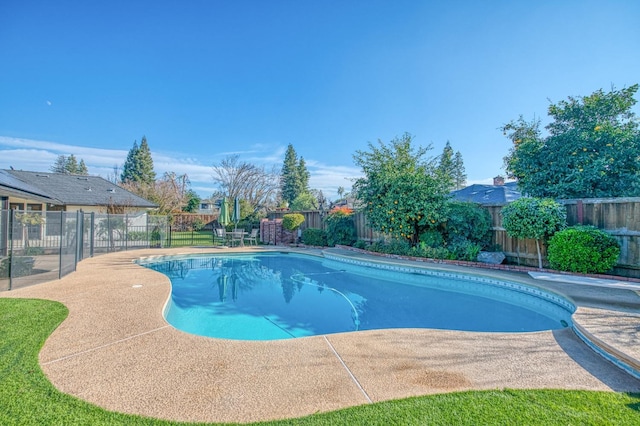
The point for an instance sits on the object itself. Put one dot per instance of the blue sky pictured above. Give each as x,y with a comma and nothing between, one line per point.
207,79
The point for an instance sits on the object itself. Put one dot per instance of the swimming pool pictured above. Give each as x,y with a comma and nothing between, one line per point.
269,296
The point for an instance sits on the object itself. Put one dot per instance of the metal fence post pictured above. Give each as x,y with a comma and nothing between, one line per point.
111,244
93,232
78,239
10,247
63,234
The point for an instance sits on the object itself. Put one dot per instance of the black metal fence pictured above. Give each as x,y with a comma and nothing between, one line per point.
40,246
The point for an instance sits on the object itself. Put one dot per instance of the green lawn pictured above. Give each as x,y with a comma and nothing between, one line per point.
28,398
193,238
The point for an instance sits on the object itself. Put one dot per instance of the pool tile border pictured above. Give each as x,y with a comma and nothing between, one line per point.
522,288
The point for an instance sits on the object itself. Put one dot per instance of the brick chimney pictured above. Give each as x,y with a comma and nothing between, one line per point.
498,181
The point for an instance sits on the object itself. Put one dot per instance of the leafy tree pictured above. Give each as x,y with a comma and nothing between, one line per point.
401,192
294,177
27,219
168,192
534,218
321,200
593,148
193,202
304,201
138,166
235,178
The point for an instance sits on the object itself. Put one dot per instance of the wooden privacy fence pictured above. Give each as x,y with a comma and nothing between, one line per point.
619,217
186,221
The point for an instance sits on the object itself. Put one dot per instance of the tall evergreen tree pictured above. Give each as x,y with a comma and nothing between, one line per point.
303,177
445,166
459,172
129,172
82,168
451,168
289,175
60,165
138,166
294,177
145,163
71,166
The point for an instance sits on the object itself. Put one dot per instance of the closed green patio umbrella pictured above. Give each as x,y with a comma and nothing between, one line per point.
235,215
223,219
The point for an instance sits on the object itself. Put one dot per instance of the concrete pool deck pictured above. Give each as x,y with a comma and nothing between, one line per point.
116,350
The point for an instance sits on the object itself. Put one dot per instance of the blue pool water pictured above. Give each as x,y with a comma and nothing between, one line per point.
279,296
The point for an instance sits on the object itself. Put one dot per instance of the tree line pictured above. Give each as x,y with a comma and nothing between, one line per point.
592,149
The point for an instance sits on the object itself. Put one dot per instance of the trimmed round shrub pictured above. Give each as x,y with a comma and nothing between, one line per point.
583,249
291,221
314,237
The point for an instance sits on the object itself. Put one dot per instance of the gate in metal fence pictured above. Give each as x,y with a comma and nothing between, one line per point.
40,246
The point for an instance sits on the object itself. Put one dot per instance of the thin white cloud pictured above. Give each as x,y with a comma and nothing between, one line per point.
37,155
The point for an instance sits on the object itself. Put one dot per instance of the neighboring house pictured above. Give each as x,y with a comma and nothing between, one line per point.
40,191
499,193
208,207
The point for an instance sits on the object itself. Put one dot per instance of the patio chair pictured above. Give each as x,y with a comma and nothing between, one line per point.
237,237
221,235
252,238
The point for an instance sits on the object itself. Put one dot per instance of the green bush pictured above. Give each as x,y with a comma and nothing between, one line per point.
314,237
464,250
583,249
291,221
424,250
394,246
340,227
360,244
432,238
467,221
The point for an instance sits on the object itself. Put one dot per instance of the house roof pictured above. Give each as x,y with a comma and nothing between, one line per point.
488,194
14,187
79,190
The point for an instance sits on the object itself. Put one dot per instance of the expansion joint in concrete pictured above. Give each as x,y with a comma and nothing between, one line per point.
103,346
353,378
